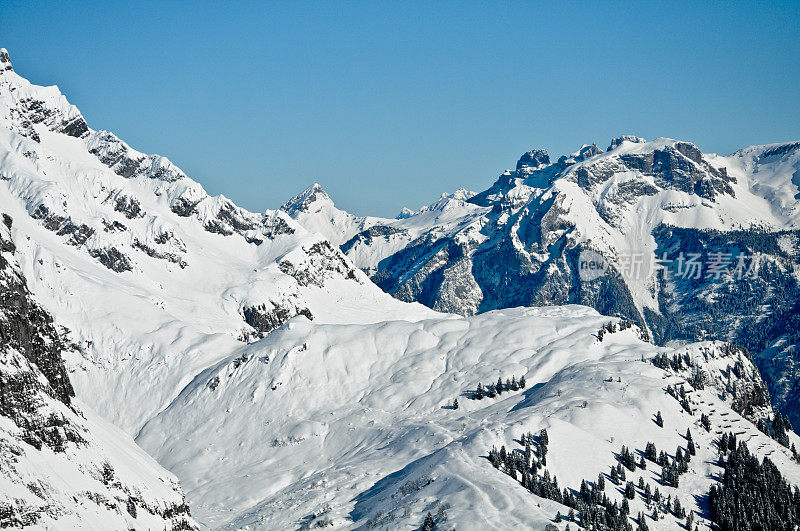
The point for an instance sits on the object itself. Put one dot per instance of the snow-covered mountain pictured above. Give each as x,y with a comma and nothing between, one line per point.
61,466
647,208
156,279
256,361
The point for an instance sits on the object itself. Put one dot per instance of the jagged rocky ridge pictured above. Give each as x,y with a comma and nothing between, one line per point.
520,241
62,467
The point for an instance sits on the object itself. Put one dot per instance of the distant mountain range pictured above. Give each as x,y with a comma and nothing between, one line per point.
659,214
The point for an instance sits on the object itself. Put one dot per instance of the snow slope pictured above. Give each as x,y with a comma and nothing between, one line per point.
62,467
350,424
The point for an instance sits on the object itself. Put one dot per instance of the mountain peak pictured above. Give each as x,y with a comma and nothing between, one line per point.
616,142
534,157
5,61
314,196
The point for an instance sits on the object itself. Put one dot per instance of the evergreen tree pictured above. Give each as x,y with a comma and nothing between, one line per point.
429,523
601,482
455,403
614,475
630,490
479,392
514,385
522,382
491,393
659,420
705,421
499,386
650,451
544,440
688,434
677,509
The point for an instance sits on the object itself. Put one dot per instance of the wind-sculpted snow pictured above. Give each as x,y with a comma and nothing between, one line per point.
353,425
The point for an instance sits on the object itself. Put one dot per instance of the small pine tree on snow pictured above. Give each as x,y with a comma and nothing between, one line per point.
705,421
641,525
614,476
491,393
514,384
544,440
648,496
689,520
522,382
429,523
630,490
499,386
642,463
650,452
690,449
558,517
659,420
455,403
641,482
625,508
677,509
688,434
571,515
508,384
601,482
479,392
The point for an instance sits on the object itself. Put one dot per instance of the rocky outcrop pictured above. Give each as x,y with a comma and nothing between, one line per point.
51,444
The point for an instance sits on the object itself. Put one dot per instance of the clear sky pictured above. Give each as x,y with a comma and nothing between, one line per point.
390,104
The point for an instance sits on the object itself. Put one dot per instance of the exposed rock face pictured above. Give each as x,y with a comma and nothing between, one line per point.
56,472
264,319
27,330
534,158
5,60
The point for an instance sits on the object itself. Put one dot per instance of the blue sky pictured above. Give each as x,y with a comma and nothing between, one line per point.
390,104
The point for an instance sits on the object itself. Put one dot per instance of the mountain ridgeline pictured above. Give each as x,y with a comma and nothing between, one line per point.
693,246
